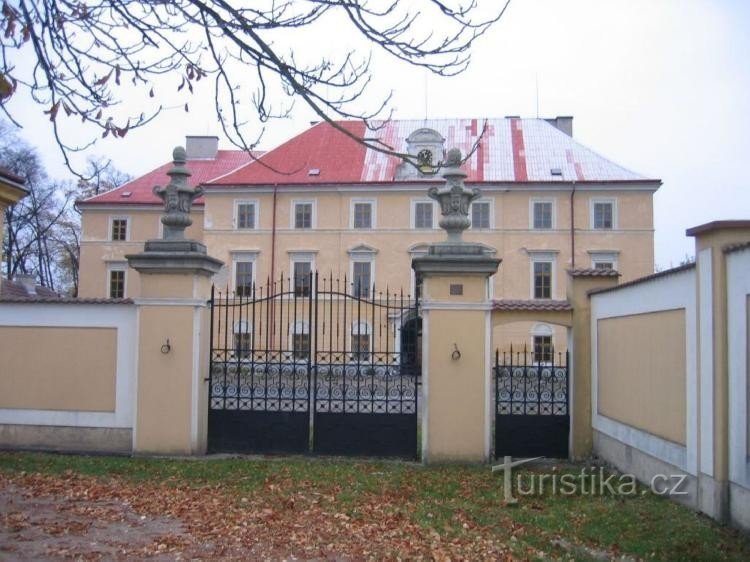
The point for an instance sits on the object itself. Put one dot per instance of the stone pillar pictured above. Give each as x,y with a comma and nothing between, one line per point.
713,370
173,329
456,332
580,283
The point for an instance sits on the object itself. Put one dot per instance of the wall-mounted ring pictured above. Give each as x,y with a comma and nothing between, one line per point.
456,355
166,348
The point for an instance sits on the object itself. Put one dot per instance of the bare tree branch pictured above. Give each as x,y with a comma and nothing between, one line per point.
95,61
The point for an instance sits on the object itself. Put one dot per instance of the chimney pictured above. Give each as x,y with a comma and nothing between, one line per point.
563,123
28,282
201,148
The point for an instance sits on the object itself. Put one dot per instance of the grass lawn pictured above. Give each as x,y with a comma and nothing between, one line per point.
319,508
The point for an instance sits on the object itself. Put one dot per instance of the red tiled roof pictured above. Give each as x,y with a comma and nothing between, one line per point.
511,150
202,171
337,158
593,272
532,305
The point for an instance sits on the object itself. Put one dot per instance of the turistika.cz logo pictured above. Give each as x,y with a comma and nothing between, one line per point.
589,481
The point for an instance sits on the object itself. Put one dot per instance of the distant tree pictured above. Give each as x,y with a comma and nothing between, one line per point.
43,230
80,60
100,176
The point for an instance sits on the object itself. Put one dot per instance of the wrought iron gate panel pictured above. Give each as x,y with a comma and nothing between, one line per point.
532,415
324,354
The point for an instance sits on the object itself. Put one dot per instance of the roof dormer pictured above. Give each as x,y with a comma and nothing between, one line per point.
427,148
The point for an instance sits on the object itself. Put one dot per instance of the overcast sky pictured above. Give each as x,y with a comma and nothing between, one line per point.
659,86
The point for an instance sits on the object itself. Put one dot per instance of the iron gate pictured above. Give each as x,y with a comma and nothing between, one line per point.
314,365
532,416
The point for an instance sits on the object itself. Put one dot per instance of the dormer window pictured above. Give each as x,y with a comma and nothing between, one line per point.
425,148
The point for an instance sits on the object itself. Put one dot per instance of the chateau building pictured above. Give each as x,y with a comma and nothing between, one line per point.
322,202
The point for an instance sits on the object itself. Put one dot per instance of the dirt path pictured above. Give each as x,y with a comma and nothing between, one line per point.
35,525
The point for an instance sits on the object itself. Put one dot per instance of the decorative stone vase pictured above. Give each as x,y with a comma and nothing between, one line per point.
454,198
178,198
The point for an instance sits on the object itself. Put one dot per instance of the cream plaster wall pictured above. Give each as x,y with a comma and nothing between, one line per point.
392,236
56,368
642,372
98,252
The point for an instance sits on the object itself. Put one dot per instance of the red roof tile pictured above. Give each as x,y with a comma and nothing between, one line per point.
592,272
511,150
532,305
202,171
321,154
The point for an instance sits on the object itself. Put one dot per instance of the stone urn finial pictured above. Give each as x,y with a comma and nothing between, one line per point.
178,197
454,198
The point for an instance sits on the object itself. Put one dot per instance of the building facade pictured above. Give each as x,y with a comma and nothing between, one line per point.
322,202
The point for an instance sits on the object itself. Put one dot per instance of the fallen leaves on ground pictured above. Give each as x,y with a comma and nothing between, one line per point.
281,520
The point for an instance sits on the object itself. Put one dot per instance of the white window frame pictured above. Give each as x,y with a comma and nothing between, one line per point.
128,226
244,256
543,256
300,256
373,212
416,250
293,213
604,257
117,266
236,217
300,327
361,254
612,201
237,328
542,330
413,214
364,330
532,203
491,203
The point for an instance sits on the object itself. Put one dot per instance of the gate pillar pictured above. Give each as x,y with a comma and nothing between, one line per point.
173,328
456,332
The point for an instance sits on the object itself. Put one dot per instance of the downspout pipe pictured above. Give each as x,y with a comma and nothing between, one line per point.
573,226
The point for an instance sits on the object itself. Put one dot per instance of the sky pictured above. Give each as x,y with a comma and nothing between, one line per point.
659,86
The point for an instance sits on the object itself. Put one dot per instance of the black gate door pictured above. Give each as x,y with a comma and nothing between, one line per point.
311,365
531,405
259,380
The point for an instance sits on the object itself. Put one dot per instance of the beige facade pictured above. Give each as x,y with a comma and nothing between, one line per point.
76,370
642,372
332,245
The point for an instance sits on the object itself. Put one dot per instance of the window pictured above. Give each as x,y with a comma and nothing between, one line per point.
542,215
542,279
242,340
245,214
423,214
300,341
243,278
362,214
604,259
360,341
602,215
361,278
303,214
542,349
480,214
603,265
119,229
302,278
117,282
